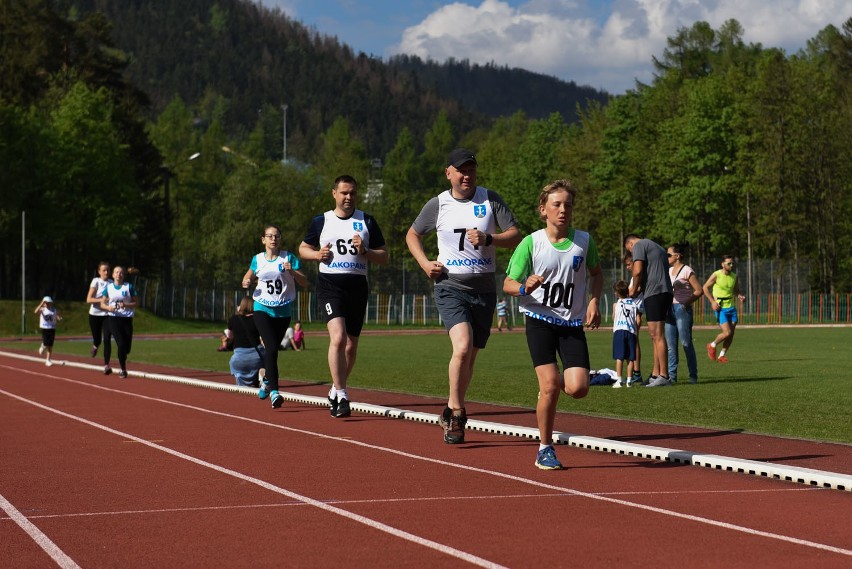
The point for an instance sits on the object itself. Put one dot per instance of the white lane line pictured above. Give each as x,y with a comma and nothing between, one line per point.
416,539
37,535
571,491
413,499
758,468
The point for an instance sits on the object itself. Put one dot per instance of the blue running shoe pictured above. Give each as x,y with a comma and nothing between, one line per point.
547,460
276,399
263,392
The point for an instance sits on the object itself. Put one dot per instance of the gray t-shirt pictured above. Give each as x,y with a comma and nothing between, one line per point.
655,270
427,221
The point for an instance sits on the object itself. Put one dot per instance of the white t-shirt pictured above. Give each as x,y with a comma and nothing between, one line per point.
47,318
681,287
124,293
99,285
275,286
339,232
455,218
561,300
624,315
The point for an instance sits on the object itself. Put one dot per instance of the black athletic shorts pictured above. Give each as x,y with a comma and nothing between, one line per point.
658,307
546,340
343,296
47,336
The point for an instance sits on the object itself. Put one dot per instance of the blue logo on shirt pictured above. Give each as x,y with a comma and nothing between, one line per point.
479,211
358,226
578,261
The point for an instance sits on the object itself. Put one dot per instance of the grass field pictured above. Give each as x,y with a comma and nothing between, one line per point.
786,381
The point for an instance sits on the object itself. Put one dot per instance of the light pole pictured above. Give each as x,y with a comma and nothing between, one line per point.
167,199
284,134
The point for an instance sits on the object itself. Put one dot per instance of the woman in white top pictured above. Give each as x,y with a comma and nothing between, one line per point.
275,273
119,299
686,290
99,319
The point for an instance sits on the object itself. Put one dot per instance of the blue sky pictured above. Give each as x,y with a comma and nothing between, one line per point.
607,44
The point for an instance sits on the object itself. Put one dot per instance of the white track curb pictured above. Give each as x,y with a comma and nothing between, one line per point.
807,476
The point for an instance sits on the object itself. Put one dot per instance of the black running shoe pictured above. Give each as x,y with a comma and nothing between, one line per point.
333,408
276,399
454,426
343,409
107,370
122,374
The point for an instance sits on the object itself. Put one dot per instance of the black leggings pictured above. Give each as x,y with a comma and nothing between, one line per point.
271,332
122,330
100,330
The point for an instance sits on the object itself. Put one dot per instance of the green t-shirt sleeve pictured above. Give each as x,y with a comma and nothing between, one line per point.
593,259
521,262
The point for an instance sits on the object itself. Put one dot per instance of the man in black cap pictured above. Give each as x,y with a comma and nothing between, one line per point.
466,218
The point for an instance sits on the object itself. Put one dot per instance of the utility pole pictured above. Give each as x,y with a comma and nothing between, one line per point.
284,134
23,273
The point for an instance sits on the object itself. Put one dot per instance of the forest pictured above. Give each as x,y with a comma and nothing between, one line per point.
732,148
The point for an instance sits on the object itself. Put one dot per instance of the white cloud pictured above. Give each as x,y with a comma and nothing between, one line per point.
561,38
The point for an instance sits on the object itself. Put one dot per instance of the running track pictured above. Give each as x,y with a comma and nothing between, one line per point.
101,472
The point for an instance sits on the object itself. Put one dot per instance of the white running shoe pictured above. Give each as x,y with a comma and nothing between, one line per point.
41,350
48,363
617,384
659,381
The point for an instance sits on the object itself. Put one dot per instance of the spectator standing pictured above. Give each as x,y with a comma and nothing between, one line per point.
503,315
275,273
247,360
651,278
466,218
48,316
98,318
624,333
723,290
119,299
343,241
548,273
636,374
686,291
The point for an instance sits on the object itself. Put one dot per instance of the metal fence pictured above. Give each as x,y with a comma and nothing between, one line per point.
218,305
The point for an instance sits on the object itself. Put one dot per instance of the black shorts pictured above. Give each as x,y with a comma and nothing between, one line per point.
546,340
658,307
457,306
47,336
343,296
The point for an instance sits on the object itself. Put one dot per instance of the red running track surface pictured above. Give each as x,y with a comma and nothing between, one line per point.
101,472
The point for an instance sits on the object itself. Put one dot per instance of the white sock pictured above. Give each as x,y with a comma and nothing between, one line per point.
543,446
618,379
722,353
341,393
332,393
713,344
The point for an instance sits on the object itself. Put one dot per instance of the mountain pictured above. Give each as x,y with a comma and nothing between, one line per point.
258,58
496,91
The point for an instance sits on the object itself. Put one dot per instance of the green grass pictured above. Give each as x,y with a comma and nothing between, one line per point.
785,381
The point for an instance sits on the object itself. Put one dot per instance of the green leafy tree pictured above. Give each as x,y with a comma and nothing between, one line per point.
340,153
437,143
536,164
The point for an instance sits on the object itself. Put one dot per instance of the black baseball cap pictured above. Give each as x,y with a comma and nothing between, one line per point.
460,156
